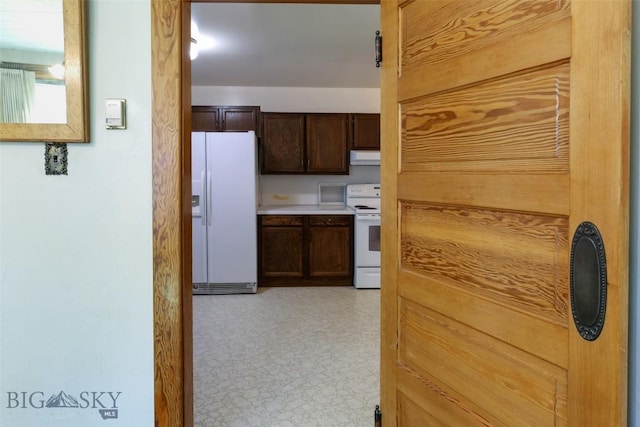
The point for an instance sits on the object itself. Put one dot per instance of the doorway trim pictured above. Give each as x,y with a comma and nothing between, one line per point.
172,322
171,193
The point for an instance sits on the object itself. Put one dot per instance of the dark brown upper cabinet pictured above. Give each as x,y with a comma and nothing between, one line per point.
365,131
327,143
283,143
297,143
218,118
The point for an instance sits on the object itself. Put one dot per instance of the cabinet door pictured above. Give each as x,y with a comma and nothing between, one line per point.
281,247
205,118
327,136
365,131
330,246
282,143
240,118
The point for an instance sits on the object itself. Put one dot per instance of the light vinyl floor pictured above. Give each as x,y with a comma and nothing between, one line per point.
304,356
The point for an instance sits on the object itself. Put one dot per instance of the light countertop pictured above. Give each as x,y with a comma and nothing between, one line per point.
304,210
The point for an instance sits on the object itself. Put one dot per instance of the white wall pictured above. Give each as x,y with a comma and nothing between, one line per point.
303,189
291,99
76,251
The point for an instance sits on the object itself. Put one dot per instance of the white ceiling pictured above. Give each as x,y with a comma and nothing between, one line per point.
297,45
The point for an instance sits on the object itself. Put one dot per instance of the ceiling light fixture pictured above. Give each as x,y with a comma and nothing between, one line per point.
193,47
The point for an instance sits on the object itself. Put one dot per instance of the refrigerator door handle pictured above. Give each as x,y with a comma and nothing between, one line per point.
203,214
209,197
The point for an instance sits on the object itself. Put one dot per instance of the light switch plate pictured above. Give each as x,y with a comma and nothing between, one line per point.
115,113
55,158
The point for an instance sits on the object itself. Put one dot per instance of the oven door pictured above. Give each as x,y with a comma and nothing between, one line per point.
367,240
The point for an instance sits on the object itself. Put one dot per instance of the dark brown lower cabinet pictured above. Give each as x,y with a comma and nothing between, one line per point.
281,247
305,250
330,246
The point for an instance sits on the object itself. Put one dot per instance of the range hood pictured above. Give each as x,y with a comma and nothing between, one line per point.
365,158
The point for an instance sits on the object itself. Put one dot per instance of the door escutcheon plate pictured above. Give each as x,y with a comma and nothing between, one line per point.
588,281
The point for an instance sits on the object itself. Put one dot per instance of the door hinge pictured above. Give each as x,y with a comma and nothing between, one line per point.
377,417
378,45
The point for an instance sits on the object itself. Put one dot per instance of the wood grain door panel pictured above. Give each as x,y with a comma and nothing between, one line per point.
516,124
459,43
477,370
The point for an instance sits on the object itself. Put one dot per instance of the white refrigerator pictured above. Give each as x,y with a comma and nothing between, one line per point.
223,202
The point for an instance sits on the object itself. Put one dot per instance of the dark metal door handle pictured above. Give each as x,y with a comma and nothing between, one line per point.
588,281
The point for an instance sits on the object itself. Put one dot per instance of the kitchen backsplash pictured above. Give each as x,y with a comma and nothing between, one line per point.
303,189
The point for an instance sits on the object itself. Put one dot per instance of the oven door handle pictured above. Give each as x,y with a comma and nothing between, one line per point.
368,217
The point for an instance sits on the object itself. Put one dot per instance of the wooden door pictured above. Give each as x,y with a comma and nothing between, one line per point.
504,126
327,143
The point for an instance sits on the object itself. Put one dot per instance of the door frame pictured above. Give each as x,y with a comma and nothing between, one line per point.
171,194
172,323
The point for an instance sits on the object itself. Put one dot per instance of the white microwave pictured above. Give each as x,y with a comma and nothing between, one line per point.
332,193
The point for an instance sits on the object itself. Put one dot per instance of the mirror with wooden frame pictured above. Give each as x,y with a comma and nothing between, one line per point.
28,51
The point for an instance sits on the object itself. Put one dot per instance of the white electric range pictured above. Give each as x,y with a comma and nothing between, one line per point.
364,199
